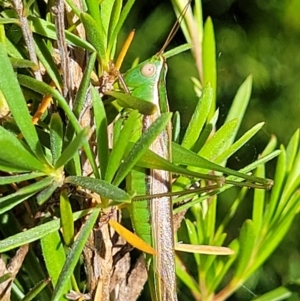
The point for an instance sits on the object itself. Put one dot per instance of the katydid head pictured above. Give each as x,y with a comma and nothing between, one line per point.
150,70
142,80
146,80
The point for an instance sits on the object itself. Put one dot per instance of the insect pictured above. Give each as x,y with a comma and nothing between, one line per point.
147,80
152,218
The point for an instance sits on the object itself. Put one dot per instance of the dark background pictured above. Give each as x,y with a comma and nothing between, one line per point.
255,37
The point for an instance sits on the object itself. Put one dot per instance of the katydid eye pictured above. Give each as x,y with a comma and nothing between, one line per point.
148,70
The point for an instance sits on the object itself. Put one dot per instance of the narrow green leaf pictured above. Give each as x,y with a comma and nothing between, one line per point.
74,255
48,30
259,202
45,57
84,84
101,187
9,201
20,157
72,148
66,217
132,102
193,237
183,156
36,290
239,143
9,21
176,127
114,13
292,150
239,105
17,104
36,233
119,25
277,294
198,119
177,50
210,220
56,136
20,178
94,11
96,35
120,145
141,146
229,261
202,138
186,278
151,160
247,245
101,132
21,63
46,193
209,61
54,256
216,144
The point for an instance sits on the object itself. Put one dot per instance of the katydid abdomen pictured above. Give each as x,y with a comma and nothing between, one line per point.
152,219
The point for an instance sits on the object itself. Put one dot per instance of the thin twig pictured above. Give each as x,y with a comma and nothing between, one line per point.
27,34
59,10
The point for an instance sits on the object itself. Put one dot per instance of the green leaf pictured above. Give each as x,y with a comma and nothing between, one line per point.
101,187
209,60
239,105
141,146
259,202
36,233
36,290
277,294
19,178
48,30
198,119
20,157
82,92
134,103
228,263
120,145
153,161
119,25
56,136
72,148
110,16
66,217
247,246
183,156
101,132
96,35
94,11
74,255
54,256
44,55
176,127
218,142
13,199
17,104
193,238
21,63
46,193
238,144
186,278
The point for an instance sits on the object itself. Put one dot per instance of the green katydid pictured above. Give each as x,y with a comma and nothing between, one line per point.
152,218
